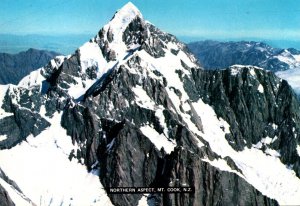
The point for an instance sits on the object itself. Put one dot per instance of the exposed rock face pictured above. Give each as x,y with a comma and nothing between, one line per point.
128,159
24,119
257,105
5,198
13,67
140,156
142,113
212,186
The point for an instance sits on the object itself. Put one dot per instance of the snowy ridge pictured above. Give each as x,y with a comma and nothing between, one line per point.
236,69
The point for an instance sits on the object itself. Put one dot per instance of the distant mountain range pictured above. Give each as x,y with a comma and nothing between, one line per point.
13,67
219,55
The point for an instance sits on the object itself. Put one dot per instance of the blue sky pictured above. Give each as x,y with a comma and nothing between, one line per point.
212,18
265,19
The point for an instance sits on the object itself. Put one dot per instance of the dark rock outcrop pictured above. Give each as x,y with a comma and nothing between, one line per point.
24,106
5,199
212,186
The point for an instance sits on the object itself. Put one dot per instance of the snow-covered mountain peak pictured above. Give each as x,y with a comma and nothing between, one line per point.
123,18
113,31
125,35
129,10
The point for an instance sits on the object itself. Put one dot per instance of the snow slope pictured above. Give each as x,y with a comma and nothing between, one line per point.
41,167
264,171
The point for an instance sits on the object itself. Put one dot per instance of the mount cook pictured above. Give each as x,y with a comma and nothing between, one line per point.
132,108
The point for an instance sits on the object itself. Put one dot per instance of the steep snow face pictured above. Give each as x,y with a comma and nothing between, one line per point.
122,19
34,78
256,166
42,169
91,55
159,140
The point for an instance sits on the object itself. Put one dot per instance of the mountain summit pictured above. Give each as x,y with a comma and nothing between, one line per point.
132,108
